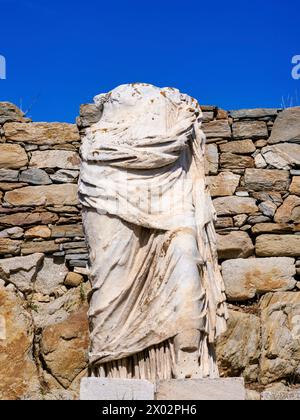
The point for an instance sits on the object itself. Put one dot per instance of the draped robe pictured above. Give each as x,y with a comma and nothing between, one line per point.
148,220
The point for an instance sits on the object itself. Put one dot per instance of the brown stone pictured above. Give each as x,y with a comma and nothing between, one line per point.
73,279
224,223
64,347
238,349
45,247
238,147
260,228
224,184
244,278
280,314
27,219
234,245
249,130
295,185
63,159
228,206
41,133
9,246
10,113
66,231
38,232
289,212
222,114
232,161
12,156
65,194
278,246
267,180
207,116
217,129
9,186
18,373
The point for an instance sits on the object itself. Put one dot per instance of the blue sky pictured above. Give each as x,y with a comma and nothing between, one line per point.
234,54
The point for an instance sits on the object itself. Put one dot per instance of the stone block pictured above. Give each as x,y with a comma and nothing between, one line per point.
280,396
201,389
101,389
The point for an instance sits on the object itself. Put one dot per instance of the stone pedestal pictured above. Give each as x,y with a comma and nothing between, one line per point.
174,389
116,389
201,389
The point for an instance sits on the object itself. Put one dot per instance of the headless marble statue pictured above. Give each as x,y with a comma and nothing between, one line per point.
157,303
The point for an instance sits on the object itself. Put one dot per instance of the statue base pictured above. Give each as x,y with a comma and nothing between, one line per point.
104,389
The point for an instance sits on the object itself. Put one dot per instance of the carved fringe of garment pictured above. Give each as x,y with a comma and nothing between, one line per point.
156,363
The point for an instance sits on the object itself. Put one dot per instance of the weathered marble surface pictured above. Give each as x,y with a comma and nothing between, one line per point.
148,219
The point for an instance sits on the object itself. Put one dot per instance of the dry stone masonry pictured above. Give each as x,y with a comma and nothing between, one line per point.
253,168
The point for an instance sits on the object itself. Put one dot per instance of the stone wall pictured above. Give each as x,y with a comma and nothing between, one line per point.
252,161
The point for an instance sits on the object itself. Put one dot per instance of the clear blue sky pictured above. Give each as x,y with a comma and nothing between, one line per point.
231,53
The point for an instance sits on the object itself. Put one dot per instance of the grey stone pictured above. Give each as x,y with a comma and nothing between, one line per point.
260,162
21,271
13,233
281,395
211,159
9,175
268,208
78,263
295,172
64,175
51,275
35,176
286,127
207,116
250,130
72,245
253,220
282,155
77,256
77,251
242,194
106,389
201,389
254,113
89,114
